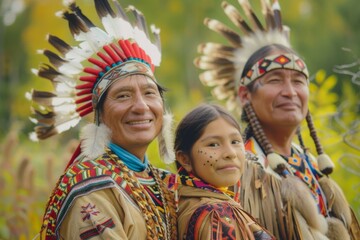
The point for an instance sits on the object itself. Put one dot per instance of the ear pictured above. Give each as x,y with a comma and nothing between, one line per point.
184,160
244,95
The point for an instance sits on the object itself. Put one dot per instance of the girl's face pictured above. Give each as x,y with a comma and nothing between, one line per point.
217,157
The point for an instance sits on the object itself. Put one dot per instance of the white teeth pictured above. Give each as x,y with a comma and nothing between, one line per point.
139,122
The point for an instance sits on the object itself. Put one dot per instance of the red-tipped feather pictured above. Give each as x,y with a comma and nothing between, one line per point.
128,44
119,52
83,107
98,63
142,53
135,47
84,92
111,53
92,71
84,99
88,78
84,86
86,111
106,58
125,49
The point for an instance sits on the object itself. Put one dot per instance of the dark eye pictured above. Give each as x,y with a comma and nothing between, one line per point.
122,96
213,144
150,92
274,81
300,81
236,142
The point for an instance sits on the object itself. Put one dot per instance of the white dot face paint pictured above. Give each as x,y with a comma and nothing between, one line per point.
218,155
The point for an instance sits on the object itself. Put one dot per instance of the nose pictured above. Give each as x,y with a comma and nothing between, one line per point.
139,103
288,89
229,152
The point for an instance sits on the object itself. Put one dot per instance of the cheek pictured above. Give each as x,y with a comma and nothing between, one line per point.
305,96
206,158
156,104
263,98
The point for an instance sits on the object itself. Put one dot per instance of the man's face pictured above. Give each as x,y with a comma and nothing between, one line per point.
280,98
133,110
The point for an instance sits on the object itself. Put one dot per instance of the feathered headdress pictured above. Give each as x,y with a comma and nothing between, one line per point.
224,64
81,73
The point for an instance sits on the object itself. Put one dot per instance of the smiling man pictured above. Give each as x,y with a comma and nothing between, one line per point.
109,190
284,186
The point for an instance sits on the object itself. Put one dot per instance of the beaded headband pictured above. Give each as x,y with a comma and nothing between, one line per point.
272,62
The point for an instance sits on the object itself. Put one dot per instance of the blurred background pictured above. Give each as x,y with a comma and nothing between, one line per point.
326,35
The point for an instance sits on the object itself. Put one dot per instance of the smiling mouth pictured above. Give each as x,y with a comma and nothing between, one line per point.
288,105
139,122
230,167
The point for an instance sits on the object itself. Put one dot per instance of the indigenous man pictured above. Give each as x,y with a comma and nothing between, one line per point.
109,189
284,186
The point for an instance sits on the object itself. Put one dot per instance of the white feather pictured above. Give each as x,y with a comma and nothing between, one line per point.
117,27
70,68
69,81
166,139
94,139
66,107
72,121
141,38
63,89
77,54
28,95
95,37
67,2
33,137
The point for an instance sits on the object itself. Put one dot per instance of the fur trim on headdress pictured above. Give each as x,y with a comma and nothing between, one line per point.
166,139
94,139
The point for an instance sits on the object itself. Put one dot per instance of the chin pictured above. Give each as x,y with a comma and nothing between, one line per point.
292,120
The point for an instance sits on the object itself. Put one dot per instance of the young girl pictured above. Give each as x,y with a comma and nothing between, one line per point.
210,157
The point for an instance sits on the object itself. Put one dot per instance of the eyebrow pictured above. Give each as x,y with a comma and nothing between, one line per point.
235,134
299,74
131,88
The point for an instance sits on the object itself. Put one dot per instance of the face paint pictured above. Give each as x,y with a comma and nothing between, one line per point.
217,156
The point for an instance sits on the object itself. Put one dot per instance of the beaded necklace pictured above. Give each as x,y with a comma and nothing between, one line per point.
301,166
189,179
154,222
